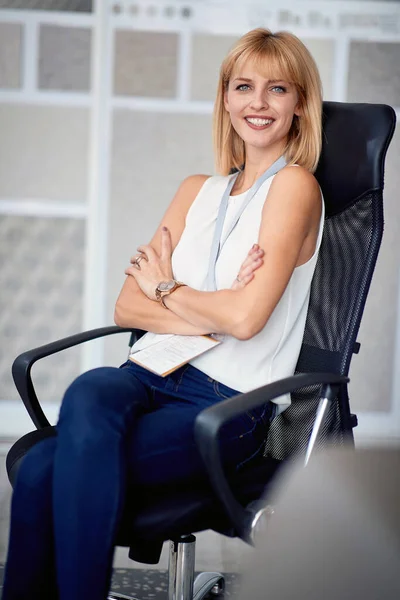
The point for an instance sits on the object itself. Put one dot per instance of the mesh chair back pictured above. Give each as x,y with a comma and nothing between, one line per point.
350,173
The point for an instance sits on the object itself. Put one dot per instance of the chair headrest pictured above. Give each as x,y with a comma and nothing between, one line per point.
355,140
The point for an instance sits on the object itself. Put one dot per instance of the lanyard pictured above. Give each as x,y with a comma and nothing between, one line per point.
217,243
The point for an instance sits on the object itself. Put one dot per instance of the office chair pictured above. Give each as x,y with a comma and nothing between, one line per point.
350,173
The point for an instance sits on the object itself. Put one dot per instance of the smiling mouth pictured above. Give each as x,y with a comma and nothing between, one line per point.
258,122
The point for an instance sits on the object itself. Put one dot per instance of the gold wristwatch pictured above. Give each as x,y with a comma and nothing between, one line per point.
165,288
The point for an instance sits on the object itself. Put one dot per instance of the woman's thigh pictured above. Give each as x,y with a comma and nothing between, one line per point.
102,399
161,448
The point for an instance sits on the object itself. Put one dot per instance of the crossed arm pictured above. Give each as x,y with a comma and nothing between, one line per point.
288,234
134,308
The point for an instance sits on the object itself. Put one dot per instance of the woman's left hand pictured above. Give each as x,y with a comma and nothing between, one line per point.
149,269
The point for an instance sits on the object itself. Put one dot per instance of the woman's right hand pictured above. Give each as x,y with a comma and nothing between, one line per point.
253,261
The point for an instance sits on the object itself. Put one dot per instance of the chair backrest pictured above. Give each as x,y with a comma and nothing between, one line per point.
350,173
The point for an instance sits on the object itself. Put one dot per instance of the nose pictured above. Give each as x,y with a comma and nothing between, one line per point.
259,100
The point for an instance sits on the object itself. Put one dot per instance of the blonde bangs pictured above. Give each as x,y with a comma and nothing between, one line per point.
267,62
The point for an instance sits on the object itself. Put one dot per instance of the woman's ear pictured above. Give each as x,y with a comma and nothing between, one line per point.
298,111
226,103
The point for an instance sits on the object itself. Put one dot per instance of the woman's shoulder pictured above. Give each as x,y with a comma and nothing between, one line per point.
295,190
194,185
297,179
297,174
196,182
190,191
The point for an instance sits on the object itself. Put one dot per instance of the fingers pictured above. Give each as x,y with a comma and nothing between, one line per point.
166,244
133,270
148,251
253,266
253,250
238,284
246,279
136,260
250,256
150,264
252,262
254,253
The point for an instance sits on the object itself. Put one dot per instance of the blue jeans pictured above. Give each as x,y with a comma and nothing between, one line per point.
119,430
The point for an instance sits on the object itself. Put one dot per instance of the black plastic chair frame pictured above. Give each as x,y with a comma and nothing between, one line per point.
182,585
208,422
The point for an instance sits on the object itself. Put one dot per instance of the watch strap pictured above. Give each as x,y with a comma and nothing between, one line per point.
160,295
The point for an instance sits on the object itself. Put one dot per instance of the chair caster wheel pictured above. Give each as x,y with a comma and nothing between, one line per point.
218,588
208,585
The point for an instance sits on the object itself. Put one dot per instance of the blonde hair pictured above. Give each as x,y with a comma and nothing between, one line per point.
277,56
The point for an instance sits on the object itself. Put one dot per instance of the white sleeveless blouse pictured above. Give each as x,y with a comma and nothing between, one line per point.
273,352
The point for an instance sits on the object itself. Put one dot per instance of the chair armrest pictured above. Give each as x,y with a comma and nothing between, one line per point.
21,369
209,422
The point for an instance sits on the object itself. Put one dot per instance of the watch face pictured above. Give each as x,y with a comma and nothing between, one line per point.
165,286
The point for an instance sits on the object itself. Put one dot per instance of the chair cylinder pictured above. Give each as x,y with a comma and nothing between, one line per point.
181,568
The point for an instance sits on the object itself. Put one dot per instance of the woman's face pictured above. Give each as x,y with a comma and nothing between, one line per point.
261,110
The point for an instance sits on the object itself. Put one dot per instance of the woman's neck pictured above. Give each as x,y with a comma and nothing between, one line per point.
254,167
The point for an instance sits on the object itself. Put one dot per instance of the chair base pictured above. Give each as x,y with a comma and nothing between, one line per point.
181,582
115,596
205,583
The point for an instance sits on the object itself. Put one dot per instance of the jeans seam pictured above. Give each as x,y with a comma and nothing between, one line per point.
254,421
255,453
218,391
152,395
178,383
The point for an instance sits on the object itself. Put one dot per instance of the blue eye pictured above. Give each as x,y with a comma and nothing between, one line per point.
279,89
242,86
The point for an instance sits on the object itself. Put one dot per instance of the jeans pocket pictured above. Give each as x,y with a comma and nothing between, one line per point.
250,418
223,391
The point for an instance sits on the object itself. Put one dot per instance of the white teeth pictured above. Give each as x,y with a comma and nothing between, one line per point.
259,122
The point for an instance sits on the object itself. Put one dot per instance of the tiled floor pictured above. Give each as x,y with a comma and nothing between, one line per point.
150,584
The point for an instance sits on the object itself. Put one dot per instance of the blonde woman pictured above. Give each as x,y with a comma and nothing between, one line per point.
233,256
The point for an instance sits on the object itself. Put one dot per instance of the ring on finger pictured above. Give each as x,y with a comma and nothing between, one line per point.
238,280
137,260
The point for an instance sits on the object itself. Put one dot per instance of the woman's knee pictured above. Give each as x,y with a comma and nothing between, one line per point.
36,469
98,401
87,392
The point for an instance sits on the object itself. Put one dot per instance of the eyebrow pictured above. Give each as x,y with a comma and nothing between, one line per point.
269,81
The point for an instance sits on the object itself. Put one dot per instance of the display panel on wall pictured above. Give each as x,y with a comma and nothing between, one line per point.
41,300
63,57
60,5
44,152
